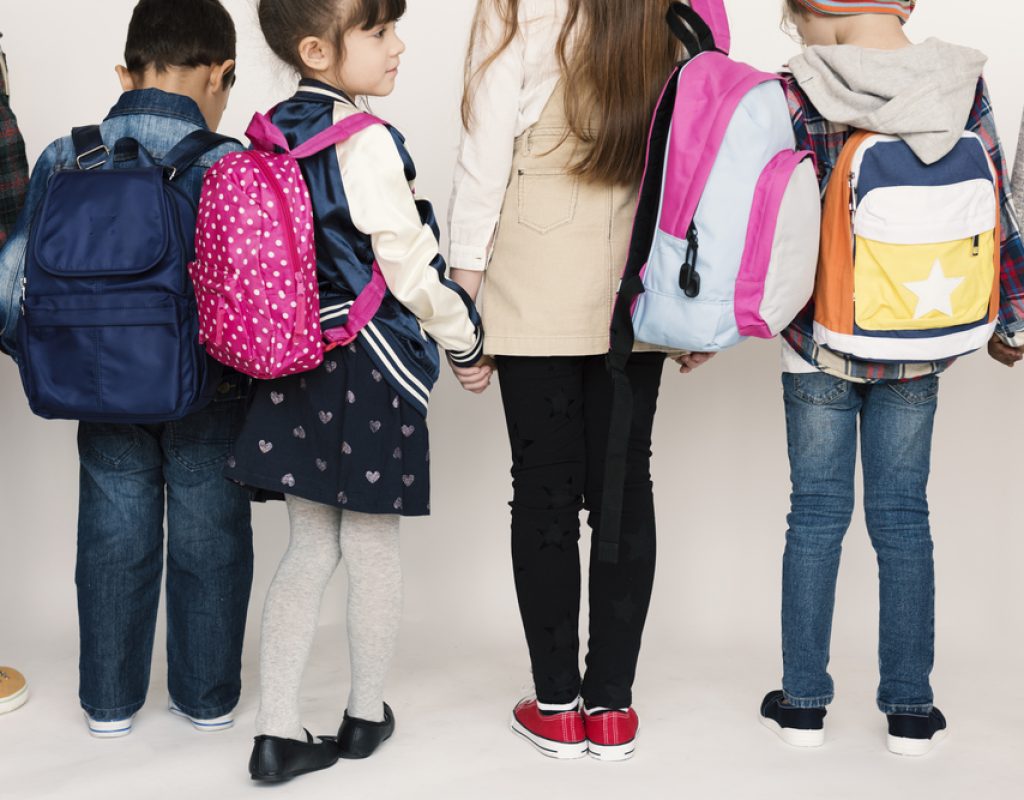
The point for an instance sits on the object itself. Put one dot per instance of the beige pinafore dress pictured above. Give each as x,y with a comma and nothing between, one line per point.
559,250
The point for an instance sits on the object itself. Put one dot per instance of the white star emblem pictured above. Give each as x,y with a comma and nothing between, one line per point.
936,293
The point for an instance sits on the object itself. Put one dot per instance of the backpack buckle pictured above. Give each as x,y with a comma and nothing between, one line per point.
101,149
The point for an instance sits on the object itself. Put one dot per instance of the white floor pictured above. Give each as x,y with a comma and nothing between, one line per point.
700,737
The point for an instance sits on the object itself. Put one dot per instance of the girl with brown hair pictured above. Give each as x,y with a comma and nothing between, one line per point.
558,102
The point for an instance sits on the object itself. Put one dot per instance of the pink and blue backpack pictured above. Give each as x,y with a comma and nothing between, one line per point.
725,239
255,270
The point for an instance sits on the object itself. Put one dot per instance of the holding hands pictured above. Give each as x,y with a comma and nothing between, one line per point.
688,362
1003,353
477,378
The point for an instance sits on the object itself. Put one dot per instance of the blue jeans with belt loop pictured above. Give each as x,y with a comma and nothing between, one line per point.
129,475
896,423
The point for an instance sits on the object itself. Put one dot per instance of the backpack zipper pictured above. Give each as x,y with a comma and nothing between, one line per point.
300,285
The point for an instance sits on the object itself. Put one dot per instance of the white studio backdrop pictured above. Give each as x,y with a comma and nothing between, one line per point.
720,466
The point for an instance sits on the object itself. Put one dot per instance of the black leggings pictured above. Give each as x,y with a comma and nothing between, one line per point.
557,410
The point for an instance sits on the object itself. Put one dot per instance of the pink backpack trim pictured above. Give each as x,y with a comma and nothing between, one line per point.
750,281
711,98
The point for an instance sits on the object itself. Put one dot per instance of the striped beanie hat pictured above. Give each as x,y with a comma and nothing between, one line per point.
901,8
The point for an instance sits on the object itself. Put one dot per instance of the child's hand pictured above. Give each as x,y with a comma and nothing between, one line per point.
476,379
1003,353
688,362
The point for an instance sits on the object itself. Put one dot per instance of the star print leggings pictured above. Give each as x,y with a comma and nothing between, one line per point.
558,410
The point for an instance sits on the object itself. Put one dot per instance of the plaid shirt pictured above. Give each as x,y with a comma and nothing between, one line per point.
826,140
13,165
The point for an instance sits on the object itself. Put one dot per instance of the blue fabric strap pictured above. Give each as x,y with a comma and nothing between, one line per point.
90,151
189,149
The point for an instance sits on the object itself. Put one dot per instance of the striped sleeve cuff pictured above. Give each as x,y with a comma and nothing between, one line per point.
468,358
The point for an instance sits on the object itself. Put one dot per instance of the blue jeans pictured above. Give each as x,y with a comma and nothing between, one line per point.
896,422
129,473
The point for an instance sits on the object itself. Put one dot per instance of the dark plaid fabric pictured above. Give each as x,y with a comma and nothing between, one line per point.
13,164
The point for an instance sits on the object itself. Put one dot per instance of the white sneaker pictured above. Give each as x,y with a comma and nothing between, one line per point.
221,723
109,729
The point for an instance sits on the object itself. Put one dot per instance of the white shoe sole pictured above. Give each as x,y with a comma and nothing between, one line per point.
795,737
548,747
114,729
901,746
15,701
205,725
614,752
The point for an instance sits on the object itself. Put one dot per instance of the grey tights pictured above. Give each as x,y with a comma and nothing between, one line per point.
320,537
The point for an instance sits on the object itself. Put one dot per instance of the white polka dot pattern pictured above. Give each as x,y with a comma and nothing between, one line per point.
255,268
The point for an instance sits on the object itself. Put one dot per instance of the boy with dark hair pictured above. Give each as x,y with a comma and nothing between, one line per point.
180,62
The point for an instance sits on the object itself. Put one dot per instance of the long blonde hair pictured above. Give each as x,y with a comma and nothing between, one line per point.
622,54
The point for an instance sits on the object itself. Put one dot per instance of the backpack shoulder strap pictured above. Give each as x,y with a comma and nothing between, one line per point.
90,151
184,154
264,135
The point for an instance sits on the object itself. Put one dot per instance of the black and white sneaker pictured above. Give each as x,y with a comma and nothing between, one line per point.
915,734
799,727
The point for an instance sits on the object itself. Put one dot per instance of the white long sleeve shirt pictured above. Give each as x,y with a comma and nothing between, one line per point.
507,100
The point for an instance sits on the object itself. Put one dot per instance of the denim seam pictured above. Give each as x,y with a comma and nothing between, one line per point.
207,713
808,702
106,458
923,709
121,712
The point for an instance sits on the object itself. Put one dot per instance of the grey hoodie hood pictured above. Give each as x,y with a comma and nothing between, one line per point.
923,93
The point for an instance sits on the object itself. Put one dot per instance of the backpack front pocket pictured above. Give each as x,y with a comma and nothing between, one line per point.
115,357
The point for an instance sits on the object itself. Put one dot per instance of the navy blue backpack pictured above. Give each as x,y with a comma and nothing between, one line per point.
109,330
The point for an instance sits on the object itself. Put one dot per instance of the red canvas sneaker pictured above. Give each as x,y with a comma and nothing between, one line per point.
558,735
611,734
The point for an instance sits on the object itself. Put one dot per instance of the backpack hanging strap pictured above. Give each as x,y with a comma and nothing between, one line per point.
690,28
90,151
190,149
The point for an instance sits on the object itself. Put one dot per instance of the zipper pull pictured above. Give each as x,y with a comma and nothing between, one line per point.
976,246
689,278
300,306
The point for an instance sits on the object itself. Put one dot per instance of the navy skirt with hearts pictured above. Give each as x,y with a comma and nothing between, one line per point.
338,435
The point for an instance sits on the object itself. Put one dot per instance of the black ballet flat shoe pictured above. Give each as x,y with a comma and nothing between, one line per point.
275,759
358,738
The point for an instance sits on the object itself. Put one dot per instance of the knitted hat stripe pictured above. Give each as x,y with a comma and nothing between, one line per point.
901,8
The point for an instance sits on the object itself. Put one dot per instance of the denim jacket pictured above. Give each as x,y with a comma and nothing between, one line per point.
156,119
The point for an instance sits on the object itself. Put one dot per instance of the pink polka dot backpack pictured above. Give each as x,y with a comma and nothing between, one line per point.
255,270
